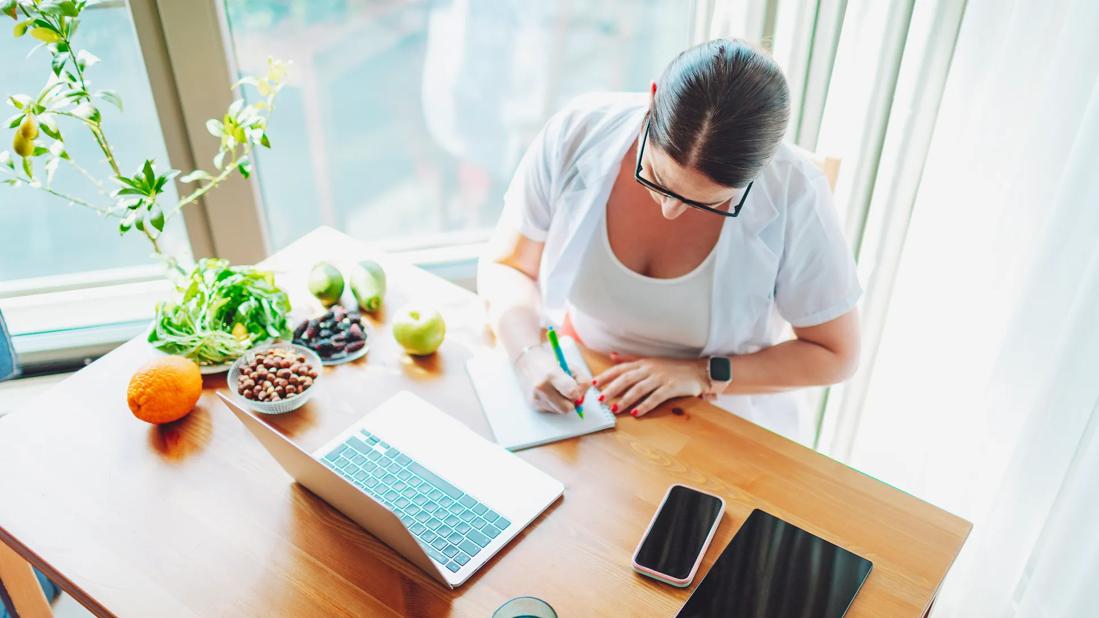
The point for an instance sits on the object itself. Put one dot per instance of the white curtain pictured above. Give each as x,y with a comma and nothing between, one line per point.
984,396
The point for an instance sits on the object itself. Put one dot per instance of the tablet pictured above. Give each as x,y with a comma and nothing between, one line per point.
773,568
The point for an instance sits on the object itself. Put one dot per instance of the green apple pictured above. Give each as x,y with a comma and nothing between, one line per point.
420,331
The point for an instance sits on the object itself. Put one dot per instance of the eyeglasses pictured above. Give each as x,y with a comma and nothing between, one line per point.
648,184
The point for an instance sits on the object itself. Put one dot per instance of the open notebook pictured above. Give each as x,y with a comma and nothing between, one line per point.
515,424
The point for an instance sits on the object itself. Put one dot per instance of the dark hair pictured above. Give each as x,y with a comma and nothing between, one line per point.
721,107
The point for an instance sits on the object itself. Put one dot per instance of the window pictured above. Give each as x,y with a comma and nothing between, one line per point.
405,119
40,235
52,253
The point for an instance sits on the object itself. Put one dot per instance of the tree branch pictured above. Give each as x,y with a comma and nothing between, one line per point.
34,184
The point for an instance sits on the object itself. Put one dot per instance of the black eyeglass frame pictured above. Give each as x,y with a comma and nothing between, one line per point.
648,184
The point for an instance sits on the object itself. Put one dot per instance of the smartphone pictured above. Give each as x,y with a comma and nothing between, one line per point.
678,535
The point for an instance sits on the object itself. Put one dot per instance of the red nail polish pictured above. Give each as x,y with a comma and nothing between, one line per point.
633,412
602,398
614,407
594,382
578,402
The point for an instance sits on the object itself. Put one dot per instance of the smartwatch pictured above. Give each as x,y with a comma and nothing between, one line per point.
721,374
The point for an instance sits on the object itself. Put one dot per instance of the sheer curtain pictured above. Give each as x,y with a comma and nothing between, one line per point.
984,397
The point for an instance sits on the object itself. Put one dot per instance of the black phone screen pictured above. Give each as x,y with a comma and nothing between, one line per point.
773,568
679,532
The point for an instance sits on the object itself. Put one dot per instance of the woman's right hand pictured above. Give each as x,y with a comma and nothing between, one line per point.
546,385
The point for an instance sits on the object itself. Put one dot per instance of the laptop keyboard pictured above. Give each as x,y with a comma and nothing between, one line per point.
451,525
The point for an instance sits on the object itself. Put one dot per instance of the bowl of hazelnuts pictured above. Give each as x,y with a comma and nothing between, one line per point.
276,378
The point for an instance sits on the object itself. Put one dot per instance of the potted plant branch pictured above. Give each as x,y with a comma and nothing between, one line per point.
221,310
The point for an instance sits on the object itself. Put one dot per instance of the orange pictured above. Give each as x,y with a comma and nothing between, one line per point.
164,390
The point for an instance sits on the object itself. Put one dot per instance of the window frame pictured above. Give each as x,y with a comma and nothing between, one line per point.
187,52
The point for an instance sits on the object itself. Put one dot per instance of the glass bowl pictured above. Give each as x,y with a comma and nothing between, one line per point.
285,405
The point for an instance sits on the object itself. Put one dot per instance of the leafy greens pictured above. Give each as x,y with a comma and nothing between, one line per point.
222,311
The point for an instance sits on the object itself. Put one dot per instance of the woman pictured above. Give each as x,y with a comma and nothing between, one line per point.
676,233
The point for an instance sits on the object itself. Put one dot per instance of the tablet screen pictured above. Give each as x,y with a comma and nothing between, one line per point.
773,568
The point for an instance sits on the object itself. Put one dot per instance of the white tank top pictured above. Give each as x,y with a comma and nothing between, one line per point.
615,309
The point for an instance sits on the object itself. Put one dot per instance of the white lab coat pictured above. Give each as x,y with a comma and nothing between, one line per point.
783,261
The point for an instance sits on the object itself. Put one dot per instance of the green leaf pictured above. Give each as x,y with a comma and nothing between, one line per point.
158,219
19,101
85,59
48,91
44,34
69,8
20,28
196,175
27,167
264,141
123,227
150,175
39,151
9,8
245,167
139,223
63,47
88,112
15,120
126,181
163,180
49,128
111,97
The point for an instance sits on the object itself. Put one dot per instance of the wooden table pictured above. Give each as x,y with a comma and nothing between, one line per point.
195,518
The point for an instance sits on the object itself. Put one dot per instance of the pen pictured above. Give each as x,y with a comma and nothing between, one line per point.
556,345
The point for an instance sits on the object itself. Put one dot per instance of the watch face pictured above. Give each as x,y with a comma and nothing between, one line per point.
721,369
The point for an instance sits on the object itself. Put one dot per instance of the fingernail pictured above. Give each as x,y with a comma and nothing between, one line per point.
594,382
578,402
614,407
602,398
633,412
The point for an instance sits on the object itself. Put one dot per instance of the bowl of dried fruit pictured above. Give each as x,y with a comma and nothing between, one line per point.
339,336
276,378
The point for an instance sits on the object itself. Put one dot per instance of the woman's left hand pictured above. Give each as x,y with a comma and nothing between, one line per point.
638,386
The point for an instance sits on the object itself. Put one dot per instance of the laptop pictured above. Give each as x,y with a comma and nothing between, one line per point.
425,484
